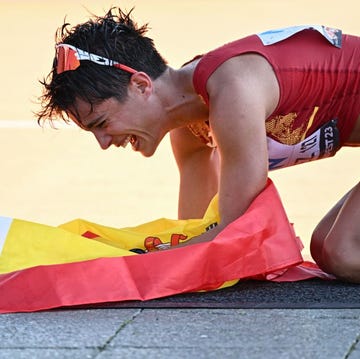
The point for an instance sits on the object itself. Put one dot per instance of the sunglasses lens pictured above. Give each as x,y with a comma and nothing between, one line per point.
66,59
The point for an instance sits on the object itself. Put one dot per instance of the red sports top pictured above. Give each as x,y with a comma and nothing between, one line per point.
318,82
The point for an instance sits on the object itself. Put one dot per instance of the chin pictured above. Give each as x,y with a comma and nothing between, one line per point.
148,152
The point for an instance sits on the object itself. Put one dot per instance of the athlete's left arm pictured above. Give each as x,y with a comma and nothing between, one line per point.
243,92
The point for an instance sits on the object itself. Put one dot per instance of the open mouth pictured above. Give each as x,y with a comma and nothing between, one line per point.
132,139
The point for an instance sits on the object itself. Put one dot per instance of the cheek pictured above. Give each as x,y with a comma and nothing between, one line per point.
115,126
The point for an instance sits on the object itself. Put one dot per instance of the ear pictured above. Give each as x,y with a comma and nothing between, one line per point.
141,83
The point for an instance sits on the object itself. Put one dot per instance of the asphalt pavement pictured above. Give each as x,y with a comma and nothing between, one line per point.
182,333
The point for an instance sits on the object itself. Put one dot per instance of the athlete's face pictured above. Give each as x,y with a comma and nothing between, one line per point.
136,120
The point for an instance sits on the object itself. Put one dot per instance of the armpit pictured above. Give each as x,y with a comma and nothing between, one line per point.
203,132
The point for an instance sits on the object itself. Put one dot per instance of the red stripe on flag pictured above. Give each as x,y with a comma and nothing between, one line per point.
259,242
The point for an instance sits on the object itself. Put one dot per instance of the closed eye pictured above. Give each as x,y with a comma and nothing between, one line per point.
102,124
99,122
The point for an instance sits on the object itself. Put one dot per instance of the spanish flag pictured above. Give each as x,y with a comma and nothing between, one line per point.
80,262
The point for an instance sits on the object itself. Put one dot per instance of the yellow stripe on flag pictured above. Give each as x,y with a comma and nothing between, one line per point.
31,244
28,244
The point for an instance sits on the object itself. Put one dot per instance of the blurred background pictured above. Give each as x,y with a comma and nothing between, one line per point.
53,176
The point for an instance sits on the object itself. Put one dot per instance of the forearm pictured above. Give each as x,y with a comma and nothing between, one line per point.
199,172
198,183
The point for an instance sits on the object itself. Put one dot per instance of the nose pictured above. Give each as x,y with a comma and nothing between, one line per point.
103,139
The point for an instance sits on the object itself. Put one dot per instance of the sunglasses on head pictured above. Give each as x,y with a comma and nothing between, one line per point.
68,58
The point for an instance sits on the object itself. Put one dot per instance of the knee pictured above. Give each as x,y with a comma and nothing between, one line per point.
341,258
317,243
337,256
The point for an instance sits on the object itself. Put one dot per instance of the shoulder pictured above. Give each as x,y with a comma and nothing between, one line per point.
210,61
242,66
248,76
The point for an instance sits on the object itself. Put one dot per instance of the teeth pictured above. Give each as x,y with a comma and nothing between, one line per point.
133,140
126,141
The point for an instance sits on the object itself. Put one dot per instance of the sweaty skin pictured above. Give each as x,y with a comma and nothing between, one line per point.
237,119
243,92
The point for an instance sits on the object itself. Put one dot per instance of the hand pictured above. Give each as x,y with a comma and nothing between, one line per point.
204,237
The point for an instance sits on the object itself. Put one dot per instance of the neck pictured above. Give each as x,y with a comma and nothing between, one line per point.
182,104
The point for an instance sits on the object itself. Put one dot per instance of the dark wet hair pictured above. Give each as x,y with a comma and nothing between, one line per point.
115,36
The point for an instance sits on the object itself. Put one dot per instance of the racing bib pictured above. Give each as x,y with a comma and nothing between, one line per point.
321,144
273,36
